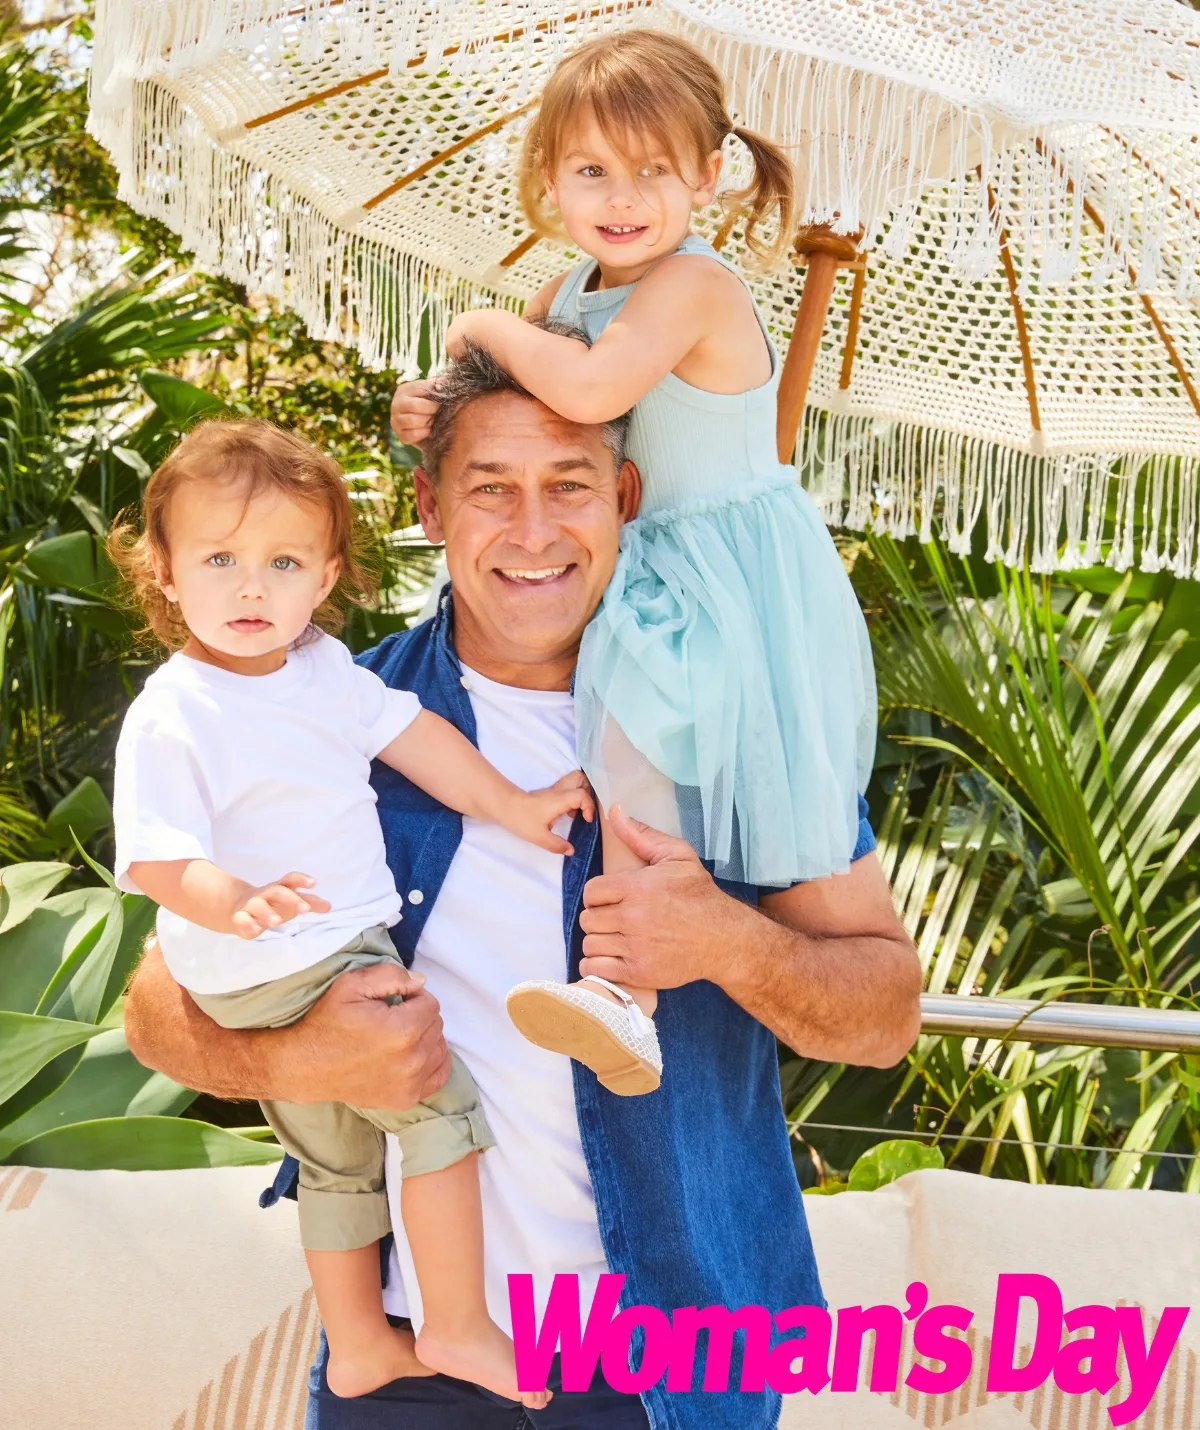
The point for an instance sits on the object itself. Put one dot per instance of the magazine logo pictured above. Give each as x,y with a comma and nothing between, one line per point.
815,1350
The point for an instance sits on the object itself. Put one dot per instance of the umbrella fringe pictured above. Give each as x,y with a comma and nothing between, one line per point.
141,39
895,137
253,229
874,175
1059,512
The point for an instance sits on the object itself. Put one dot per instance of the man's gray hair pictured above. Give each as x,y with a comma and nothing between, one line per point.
477,374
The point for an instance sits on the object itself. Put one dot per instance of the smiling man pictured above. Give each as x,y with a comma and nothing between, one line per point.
689,1191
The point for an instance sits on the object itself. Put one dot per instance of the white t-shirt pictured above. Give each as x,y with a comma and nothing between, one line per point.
499,920
262,775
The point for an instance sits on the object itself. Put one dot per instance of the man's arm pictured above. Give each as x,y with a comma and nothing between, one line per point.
352,1046
826,966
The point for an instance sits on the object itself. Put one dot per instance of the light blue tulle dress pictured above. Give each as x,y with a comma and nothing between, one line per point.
725,684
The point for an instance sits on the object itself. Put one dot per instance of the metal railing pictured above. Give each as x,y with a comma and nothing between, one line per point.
1092,1025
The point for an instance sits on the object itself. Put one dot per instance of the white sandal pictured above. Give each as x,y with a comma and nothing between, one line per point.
616,1040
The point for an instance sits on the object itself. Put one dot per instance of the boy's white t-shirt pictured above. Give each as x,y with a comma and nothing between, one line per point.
499,920
263,775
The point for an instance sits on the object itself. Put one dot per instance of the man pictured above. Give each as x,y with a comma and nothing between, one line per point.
689,1191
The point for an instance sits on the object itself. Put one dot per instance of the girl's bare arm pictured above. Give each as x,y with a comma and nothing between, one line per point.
413,406
688,313
439,758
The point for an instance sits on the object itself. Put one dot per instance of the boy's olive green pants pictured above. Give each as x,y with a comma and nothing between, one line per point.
343,1202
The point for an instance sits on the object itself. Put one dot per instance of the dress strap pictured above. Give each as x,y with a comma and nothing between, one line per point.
694,243
566,300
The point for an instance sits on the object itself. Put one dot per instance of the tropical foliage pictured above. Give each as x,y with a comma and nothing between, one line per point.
93,392
110,347
1039,826
71,1092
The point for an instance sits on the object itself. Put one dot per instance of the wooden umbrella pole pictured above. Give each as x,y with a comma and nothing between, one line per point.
826,252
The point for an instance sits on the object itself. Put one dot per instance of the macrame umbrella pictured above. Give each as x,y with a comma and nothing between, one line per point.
997,269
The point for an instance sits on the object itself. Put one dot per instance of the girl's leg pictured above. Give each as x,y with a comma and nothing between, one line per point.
620,859
365,1352
647,795
443,1220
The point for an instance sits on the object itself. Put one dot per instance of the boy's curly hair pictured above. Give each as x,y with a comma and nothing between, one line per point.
257,456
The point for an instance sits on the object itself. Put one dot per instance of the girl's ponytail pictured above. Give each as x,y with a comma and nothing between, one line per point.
772,190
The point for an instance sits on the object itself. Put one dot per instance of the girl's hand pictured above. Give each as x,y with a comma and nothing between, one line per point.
532,814
413,411
273,904
477,325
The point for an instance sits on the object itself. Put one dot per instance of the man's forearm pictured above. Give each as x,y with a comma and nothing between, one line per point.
840,999
374,1039
166,1031
826,965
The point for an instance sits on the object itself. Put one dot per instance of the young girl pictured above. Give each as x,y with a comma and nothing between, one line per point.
247,756
724,688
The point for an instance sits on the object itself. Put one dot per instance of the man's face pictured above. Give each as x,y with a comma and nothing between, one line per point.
530,507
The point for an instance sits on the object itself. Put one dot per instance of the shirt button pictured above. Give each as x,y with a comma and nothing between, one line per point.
464,682
416,897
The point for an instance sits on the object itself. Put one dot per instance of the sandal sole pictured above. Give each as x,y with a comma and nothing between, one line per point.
561,1027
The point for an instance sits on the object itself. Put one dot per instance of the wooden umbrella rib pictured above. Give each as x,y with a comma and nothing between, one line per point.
1172,351
519,252
439,158
1018,310
1147,302
852,326
505,36
310,99
1152,313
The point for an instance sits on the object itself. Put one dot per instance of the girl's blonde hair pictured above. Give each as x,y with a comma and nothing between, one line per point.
654,86
258,456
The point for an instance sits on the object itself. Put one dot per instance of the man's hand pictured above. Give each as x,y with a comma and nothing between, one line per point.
413,411
826,965
370,1052
657,927
352,1046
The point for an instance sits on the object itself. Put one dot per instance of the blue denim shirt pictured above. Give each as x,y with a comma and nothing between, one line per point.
696,1193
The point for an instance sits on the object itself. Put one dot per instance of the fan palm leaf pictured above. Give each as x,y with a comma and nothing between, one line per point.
1048,860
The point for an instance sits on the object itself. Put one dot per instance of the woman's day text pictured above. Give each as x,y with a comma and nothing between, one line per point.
821,1350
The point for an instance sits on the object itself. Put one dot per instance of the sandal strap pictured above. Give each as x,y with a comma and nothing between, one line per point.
641,1024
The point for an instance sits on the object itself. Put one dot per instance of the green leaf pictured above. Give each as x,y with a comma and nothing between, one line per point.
76,561
102,902
138,915
23,887
42,1085
402,454
827,1189
107,621
83,996
32,955
888,1161
180,402
107,1081
28,1043
133,460
77,816
138,1144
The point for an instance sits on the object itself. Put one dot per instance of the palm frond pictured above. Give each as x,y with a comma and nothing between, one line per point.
1052,857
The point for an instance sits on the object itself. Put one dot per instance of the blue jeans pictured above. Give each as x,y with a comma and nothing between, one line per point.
439,1402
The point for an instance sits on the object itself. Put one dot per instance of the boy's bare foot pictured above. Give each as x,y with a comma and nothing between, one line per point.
376,1361
481,1353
